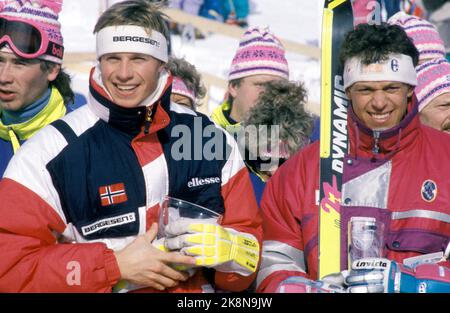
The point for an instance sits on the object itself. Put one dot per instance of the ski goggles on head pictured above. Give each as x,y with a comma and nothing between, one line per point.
28,41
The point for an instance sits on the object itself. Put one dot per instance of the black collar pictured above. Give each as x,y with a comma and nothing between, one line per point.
128,120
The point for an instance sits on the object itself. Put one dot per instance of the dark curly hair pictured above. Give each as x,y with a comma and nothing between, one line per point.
283,103
374,43
62,81
188,74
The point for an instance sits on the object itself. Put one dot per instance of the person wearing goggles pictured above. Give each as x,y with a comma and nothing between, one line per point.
34,90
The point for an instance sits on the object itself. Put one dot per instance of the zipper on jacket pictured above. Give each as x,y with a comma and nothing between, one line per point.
376,137
148,120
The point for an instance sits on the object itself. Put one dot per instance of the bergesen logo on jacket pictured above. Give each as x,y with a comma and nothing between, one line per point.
195,182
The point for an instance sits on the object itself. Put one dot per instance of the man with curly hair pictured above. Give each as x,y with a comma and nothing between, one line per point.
393,173
260,58
274,129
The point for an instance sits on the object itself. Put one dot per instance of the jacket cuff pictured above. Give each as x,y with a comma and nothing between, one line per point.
111,267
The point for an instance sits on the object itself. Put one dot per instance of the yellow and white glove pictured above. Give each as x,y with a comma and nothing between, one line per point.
160,245
223,249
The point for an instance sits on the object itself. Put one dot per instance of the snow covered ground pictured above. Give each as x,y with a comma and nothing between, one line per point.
295,20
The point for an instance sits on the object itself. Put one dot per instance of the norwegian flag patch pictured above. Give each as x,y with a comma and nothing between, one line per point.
112,194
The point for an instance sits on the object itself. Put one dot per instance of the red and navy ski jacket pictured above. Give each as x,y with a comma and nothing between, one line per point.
398,177
88,184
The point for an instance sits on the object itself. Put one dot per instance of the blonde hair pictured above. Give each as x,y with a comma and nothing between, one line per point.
143,13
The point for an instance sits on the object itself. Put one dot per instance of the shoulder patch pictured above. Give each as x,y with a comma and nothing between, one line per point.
429,190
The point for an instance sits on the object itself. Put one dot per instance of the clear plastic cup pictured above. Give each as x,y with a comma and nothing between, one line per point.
365,238
172,209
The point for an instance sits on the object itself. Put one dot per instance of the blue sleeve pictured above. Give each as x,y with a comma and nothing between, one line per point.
242,8
79,101
316,130
212,9
258,186
6,153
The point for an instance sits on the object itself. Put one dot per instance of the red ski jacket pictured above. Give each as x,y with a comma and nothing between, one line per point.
86,187
404,184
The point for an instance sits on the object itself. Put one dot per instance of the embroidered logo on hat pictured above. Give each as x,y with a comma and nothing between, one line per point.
397,68
131,39
137,38
394,65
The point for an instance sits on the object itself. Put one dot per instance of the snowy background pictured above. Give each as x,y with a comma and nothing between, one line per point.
294,20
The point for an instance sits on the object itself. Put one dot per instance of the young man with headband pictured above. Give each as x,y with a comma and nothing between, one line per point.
393,173
79,201
34,90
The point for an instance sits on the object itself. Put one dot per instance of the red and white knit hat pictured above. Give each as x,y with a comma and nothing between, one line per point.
40,13
433,79
179,87
259,53
422,33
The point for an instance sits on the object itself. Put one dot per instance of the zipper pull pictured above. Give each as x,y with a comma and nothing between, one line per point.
376,136
148,120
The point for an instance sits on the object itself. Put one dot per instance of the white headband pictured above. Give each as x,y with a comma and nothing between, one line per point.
397,67
131,38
